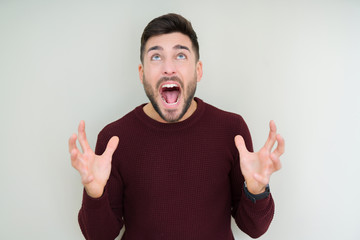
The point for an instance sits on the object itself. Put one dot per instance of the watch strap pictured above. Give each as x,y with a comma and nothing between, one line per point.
254,197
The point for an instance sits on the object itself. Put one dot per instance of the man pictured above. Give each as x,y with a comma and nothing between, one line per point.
176,167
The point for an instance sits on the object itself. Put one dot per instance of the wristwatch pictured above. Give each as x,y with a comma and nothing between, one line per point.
254,197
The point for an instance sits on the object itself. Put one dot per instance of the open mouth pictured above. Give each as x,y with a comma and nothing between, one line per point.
170,93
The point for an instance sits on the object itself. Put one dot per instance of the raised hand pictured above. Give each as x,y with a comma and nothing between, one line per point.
257,167
94,169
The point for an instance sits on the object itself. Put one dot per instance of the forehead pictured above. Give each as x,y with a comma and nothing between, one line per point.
168,40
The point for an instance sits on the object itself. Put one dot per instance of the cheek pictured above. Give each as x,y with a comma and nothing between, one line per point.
152,72
187,70
193,75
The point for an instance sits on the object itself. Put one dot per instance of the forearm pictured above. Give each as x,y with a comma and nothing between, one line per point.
254,218
97,220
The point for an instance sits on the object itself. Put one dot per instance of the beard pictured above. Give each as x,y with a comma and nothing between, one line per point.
171,115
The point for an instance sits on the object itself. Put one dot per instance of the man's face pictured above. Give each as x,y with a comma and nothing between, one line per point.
169,74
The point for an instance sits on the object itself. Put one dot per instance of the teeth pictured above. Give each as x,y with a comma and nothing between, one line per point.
170,85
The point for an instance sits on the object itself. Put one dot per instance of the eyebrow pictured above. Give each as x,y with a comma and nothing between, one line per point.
155,48
175,47
181,47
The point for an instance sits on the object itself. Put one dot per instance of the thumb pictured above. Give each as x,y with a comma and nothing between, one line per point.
240,144
111,146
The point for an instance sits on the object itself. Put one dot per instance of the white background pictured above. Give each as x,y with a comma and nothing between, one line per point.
296,62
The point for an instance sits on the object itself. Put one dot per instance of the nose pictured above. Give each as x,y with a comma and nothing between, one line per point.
169,67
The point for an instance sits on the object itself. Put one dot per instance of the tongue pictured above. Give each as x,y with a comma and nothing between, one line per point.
170,96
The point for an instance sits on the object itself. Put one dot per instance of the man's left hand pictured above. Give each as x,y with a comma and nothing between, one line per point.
257,167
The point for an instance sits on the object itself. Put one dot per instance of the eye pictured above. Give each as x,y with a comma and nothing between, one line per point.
181,56
156,58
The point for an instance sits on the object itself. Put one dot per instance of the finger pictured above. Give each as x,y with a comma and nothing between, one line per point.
240,144
74,159
77,159
82,136
87,179
78,163
72,143
280,149
111,147
272,136
276,162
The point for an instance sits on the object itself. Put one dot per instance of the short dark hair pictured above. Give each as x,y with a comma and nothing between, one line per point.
169,23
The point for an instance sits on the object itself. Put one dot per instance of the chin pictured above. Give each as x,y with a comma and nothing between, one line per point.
172,115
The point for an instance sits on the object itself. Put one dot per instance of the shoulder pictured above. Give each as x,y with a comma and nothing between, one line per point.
224,118
228,123
122,125
124,128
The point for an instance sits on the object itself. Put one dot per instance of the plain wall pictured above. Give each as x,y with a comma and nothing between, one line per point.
296,62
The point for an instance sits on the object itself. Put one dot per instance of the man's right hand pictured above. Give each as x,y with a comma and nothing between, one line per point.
94,169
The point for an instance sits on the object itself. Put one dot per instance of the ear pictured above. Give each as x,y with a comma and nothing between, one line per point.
199,70
141,73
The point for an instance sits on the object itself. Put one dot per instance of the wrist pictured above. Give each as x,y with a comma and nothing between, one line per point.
94,194
254,187
253,197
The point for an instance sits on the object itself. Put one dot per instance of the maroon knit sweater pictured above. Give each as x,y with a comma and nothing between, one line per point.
175,181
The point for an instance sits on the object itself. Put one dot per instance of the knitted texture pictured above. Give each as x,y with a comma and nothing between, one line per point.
175,180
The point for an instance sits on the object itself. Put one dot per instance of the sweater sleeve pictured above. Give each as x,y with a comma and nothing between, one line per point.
101,218
252,218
